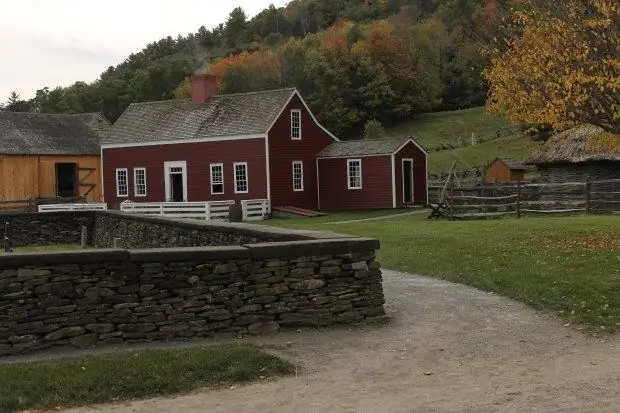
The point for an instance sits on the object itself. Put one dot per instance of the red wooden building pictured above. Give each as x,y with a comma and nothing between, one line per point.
261,145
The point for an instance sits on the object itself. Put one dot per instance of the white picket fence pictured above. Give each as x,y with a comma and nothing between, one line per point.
255,210
217,210
72,207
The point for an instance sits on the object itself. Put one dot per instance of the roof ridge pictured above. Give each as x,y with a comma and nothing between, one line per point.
257,92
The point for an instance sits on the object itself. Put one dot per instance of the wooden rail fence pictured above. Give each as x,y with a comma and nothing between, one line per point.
488,200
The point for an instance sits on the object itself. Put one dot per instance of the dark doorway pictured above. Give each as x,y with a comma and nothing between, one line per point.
67,180
176,184
407,181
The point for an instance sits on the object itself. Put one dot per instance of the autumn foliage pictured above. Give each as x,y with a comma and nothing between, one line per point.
560,65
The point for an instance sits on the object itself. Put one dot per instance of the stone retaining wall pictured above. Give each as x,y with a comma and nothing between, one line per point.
33,228
114,296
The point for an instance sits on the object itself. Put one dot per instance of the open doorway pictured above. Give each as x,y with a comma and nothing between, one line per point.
67,180
176,181
408,181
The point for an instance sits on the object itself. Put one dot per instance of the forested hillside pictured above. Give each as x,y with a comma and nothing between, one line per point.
353,60
549,64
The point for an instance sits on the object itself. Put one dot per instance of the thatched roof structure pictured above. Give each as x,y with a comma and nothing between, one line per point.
585,143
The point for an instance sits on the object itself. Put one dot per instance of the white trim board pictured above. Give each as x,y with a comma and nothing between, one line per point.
188,140
221,165
135,182
393,181
247,178
355,188
168,189
403,160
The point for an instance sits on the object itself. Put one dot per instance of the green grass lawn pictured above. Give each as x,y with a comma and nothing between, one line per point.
567,265
129,375
518,146
431,129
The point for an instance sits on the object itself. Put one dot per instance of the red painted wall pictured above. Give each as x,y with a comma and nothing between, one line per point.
199,156
376,192
283,151
419,174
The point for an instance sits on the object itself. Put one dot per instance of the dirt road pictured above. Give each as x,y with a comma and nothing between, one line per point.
449,348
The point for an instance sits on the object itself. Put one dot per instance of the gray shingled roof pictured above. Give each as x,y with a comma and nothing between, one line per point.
513,164
46,134
363,147
222,115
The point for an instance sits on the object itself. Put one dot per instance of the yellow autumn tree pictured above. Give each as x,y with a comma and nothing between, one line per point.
559,66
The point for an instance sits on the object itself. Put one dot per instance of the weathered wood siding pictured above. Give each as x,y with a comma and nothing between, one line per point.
580,172
33,176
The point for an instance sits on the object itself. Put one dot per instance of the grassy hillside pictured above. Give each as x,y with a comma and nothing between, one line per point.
433,129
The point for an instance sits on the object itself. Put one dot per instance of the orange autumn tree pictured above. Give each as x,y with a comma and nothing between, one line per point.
560,65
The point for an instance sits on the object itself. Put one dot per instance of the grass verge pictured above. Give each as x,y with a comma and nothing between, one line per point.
130,375
568,265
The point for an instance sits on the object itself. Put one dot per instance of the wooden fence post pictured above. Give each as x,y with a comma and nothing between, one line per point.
451,202
518,199
84,238
587,188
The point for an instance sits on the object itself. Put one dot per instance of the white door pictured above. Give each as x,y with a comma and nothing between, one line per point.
175,181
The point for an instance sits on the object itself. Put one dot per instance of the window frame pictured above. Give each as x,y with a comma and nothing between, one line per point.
349,175
118,192
135,182
221,166
247,177
295,112
301,178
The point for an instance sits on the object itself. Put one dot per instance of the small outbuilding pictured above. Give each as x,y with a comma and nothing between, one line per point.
372,174
50,156
584,153
505,170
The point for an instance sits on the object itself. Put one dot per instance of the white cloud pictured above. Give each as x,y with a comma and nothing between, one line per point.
55,43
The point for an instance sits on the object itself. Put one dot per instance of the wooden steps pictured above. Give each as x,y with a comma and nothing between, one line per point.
298,212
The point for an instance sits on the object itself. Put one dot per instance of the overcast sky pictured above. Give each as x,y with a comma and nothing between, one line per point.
58,42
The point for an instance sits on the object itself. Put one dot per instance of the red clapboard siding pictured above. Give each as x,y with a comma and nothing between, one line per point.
376,192
199,156
411,151
283,151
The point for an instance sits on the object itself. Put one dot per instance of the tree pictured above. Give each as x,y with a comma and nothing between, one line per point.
561,67
16,104
235,27
373,129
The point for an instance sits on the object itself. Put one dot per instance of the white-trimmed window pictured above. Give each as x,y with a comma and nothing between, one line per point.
296,124
139,181
298,176
354,173
122,185
217,179
241,177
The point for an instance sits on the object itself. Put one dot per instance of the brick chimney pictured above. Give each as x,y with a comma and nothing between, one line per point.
203,87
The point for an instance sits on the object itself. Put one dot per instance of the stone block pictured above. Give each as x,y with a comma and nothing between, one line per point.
308,285
101,328
60,310
66,332
264,328
54,287
225,268
87,340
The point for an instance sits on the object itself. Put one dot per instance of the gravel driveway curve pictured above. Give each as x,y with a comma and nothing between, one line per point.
448,348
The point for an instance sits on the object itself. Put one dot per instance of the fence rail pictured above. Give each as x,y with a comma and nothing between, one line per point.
255,210
490,200
217,210
72,207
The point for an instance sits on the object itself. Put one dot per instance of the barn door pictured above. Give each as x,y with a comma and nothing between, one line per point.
86,180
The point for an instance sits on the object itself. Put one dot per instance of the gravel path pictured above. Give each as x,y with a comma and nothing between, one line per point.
449,348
